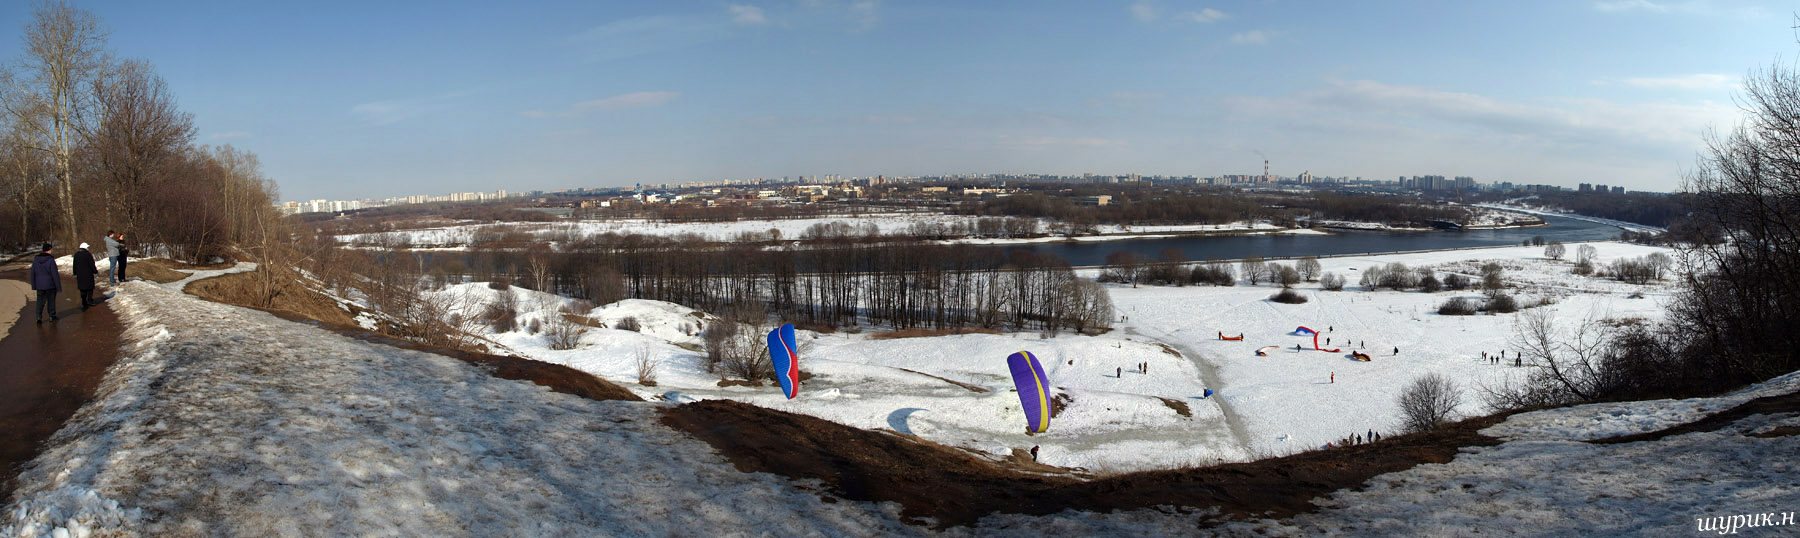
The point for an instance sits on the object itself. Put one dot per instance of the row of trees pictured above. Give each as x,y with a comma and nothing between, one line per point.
830,283
92,143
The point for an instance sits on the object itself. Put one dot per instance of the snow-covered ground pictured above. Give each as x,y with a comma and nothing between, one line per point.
220,420
1540,210
1118,419
223,420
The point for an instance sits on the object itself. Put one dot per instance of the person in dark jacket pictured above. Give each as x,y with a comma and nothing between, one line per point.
46,281
124,255
84,275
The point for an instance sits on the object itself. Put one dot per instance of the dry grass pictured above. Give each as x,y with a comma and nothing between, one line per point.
241,289
159,270
920,333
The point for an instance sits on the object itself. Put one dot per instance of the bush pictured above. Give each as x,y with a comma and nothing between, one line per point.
1428,402
1456,282
1284,275
1332,282
503,315
646,365
561,334
1430,284
1457,306
1502,303
1583,268
629,323
1287,296
1214,274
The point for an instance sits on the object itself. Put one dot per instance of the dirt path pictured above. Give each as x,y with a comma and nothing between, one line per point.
48,370
1210,377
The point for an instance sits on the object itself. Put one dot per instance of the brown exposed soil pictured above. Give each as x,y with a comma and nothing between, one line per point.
1767,405
47,371
972,388
952,487
1180,407
921,333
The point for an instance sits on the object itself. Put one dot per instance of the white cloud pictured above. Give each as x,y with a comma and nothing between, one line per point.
1058,142
229,135
1253,37
1205,15
1698,81
863,13
747,14
1630,5
1569,121
627,101
394,111
644,35
1143,12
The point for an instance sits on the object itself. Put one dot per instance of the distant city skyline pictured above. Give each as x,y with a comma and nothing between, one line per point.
375,100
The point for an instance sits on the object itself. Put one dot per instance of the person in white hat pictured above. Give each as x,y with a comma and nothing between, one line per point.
84,275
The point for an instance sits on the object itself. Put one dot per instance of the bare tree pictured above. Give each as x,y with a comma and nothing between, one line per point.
47,91
1555,251
1254,269
1569,364
561,333
1429,401
1309,268
140,132
1585,254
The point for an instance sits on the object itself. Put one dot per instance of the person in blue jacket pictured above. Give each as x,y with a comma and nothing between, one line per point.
46,280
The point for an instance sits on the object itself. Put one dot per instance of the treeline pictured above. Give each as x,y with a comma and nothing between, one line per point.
830,283
1150,206
1649,209
94,144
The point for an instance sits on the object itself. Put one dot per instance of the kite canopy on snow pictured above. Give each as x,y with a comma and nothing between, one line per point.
1264,351
786,358
1034,390
1315,335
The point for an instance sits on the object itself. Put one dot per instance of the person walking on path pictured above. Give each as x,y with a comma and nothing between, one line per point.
112,257
46,280
84,275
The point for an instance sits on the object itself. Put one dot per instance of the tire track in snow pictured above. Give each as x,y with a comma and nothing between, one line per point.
1210,377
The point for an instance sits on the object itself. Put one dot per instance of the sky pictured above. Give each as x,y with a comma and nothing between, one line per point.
350,100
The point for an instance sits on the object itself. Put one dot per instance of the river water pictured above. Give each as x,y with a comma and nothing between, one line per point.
1200,248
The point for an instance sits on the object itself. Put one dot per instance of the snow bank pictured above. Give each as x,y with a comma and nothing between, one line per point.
223,420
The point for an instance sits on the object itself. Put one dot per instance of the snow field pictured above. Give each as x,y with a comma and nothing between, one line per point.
865,382
1287,400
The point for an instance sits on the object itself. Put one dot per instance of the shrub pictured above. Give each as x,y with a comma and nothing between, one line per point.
1308,267
1502,304
718,337
1428,402
562,334
1331,282
499,285
1457,306
503,314
1430,284
1583,268
1456,282
1284,275
646,365
1213,274
629,323
1287,296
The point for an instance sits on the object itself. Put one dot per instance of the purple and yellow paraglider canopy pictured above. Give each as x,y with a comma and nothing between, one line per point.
1034,390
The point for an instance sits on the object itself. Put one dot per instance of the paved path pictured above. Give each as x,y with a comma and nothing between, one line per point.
47,370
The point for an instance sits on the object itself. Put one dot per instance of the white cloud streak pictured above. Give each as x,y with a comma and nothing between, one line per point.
1253,37
1698,81
747,14
627,101
1204,16
1143,12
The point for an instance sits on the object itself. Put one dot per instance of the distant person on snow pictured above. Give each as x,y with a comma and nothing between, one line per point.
1396,350
1034,453
112,257
84,275
1334,378
46,281
1119,372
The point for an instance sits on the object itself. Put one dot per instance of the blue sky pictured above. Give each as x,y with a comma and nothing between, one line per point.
376,99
